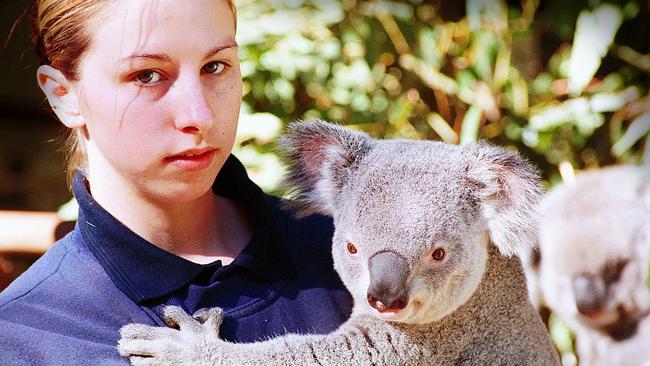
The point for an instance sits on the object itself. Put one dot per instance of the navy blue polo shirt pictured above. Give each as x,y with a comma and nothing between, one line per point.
68,307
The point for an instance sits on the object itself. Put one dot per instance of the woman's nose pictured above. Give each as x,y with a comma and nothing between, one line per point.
194,112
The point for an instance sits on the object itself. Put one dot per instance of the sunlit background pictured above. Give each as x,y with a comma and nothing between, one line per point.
563,82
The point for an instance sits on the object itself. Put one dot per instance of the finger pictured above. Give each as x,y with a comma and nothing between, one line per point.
214,319
147,332
144,361
177,316
141,347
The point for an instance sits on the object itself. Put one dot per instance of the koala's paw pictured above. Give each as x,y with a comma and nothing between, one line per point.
187,341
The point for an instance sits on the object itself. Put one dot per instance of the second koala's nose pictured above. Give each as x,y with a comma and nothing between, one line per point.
387,291
590,292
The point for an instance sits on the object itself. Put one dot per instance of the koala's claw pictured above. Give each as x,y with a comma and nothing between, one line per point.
211,317
176,317
183,342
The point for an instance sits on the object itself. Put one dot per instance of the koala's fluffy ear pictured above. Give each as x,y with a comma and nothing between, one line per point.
507,189
320,156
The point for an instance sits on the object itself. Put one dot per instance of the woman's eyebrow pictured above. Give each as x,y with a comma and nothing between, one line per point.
164,58
231,43
152,56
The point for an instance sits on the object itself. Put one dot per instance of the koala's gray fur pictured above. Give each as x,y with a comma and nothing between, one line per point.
397,202
595,252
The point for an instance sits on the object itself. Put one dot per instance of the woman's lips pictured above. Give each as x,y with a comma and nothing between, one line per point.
190,162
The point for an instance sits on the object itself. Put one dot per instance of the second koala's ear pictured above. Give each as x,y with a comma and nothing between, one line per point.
321,156
507,189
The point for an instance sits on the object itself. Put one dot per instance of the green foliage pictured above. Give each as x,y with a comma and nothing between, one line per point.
556,80
563,339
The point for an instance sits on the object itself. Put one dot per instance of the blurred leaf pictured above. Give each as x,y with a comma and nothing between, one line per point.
588,122
542,83
283,88
482,55
430,50
429,75
611,83
519,93
631,9
492,11
628,54
513,131
467,84
265,169
639,127
610,102
594,34
530,137
556,115
360,102
578,111
470,125
502,66
263,127
442,128
560,334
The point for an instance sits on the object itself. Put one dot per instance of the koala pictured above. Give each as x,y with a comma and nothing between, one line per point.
595,253
426,237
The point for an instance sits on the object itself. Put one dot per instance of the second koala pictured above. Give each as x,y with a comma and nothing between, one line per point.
425,240
593,273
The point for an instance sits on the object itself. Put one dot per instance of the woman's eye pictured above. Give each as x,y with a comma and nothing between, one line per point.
438,254
148,77
213,67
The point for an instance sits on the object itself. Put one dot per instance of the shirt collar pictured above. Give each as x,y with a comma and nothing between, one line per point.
144,271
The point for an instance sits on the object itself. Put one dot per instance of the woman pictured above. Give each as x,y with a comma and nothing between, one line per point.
151,91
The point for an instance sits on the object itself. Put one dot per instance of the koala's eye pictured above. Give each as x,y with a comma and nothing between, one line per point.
351,248
438,254
612,271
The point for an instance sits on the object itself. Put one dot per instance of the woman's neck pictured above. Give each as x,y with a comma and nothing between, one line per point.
202,230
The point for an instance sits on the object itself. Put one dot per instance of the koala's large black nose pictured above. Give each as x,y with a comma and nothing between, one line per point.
590,292
388,291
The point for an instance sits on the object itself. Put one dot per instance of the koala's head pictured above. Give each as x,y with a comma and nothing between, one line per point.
595,248
413,219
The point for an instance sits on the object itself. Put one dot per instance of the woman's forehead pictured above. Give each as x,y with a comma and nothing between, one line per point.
162,26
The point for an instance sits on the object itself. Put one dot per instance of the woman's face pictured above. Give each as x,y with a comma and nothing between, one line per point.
159,92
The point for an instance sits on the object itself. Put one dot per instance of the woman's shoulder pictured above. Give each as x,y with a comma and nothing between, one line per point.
66,309
66,279
52,270
40,275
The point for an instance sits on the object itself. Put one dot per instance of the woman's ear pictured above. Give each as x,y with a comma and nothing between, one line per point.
62,99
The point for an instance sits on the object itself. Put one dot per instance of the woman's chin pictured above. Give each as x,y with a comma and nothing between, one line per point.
181,191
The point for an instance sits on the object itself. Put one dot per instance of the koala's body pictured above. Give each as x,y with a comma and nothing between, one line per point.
425,237
595,253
